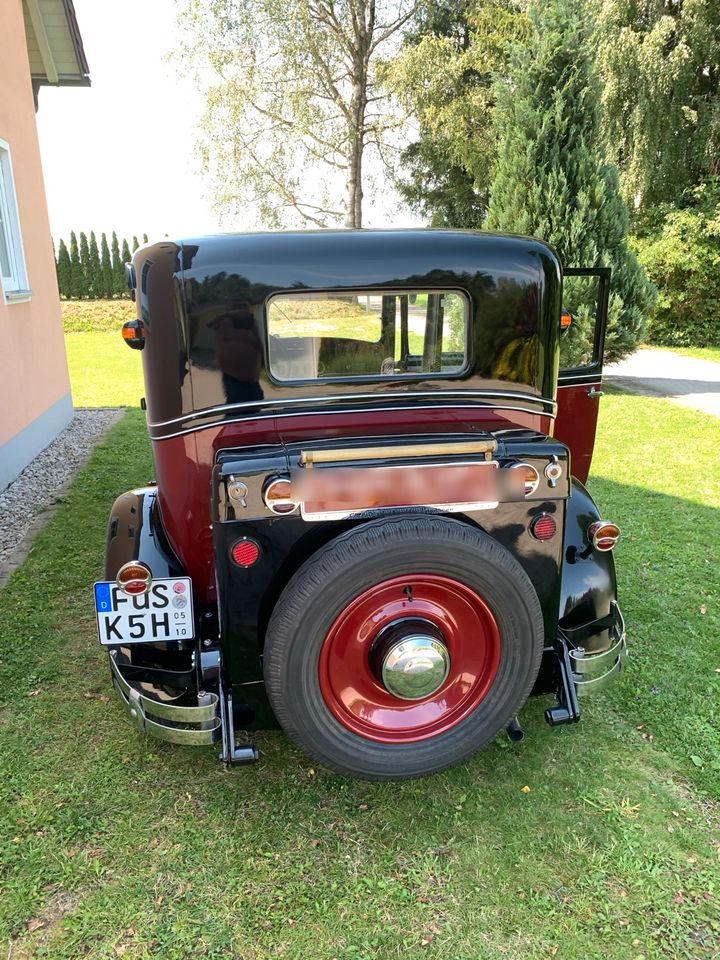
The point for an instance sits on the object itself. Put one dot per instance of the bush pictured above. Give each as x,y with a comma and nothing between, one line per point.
681,255
106,316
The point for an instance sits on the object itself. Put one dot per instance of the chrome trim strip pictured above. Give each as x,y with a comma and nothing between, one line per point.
138,706
579,379
305,413
351,397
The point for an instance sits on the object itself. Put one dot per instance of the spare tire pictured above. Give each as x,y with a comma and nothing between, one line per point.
403,647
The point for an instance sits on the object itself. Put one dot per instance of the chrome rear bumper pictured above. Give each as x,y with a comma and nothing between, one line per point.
580,673
164,718
592,672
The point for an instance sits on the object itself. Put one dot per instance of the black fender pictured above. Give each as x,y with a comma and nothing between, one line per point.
588,588
135,532
588,585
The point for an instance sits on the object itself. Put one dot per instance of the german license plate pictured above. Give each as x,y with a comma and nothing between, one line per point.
165,612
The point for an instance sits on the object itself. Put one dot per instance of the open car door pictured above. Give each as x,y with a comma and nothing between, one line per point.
586,293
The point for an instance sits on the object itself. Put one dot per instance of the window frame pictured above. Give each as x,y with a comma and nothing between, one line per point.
397,291
15,287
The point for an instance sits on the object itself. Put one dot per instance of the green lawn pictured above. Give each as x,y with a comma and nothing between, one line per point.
104,371
114,845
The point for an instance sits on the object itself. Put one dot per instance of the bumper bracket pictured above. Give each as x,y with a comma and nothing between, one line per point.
582,674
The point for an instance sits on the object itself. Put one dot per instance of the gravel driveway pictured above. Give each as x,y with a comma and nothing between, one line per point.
27,502
663,373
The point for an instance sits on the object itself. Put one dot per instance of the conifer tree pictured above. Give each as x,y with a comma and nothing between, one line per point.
76,276
136,244
63,270
118,268
551,178
94,271
145,238
85,264
105,268
126,258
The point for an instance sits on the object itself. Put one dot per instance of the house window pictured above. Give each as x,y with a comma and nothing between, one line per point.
12,259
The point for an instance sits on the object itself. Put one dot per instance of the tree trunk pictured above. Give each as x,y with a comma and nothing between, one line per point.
356,137
364,25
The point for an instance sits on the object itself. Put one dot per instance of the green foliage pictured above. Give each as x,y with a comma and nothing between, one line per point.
84,262
118,268
94,267
77,279
660,63
106,276
135,244
64,270
551,179
293,84
681,255
444,76
88,274
97,316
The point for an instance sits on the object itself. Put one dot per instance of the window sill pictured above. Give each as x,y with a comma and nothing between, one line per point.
17,296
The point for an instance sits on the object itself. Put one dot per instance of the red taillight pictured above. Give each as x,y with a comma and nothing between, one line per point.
245,552
603,535
134,577
543,527
135,586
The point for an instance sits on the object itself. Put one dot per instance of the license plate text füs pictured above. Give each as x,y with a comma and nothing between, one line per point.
165,612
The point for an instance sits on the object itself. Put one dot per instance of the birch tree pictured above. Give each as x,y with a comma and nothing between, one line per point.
294,104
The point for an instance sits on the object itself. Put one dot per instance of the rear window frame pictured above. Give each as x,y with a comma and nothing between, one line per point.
459,374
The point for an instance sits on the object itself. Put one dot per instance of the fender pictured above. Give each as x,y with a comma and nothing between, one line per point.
588,585
135,533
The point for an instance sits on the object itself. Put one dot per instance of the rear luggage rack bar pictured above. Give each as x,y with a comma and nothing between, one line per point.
473,447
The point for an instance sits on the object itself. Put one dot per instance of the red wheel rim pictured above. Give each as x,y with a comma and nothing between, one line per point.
357,698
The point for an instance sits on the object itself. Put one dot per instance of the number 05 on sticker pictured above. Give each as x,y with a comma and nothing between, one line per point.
165,612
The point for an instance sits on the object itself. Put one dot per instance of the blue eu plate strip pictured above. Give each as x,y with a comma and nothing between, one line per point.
103,603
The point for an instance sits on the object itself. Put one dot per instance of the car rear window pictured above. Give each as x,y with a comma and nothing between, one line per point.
320,336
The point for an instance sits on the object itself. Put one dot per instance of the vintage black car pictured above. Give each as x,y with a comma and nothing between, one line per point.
369,523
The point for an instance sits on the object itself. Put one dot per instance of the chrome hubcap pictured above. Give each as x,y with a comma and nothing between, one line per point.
415,667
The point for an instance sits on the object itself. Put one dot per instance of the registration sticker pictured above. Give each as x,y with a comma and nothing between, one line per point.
165,612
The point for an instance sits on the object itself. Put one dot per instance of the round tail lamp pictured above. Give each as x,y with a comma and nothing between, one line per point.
134,578
543,527
603,535
245,552
278,496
